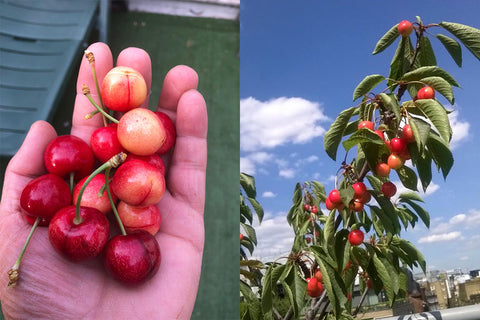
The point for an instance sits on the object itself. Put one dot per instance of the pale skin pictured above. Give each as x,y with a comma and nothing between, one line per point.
51,287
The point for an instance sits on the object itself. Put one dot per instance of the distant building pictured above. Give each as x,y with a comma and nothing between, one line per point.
469,290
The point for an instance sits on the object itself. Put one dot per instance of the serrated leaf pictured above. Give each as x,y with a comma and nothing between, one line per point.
362,136
410,196
254,307
441,86
426,56
366,85
408,177
387,222
297,195
334,135
400,61
386,40
248,184
440,152
251,263
469,36
437,115
333,284
424,170
298,288
453,48
250,231
257,207
388,209
341,242
319,191
412,253
375,183
429,71
421,212
385,277
329,229
421,130
267,292
390,102
245,212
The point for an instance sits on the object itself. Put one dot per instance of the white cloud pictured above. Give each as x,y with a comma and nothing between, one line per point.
440,237
275,237
272,123
268,194
460,129
249,163
430,189
286,173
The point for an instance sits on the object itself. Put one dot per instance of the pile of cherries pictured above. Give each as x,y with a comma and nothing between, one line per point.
120,172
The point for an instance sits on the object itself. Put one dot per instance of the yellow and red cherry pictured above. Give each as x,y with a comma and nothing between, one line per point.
389,189
153,159
394,161
405,28
141,125
132,258
138,183
104,143
139,218
356,205
44,196
123,89
91,197
170,132
365,124
355,237
382,169
426,93
407,134
82,241
67,155
318,275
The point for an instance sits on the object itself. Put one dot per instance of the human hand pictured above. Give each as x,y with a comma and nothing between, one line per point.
51,287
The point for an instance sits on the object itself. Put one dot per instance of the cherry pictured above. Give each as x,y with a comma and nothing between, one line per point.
135,218
407,134
44,196
380,134
355,237
389,189
138,183
365,124
397,145
95,194
314,287
426,93
123,89
365,198
394,161
68,154
405,28
306,207
334,196
241,236
329,204
314,209
318,275
153,159
170,132
359,189
382,169
356,205
132,258
31,220
104,143
141,125
82,241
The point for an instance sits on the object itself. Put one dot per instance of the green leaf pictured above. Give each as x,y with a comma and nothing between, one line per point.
341,248
453,47
421,130
329,229
333,136
408,177
385,277
245,212
413,253
257,207
421,212
437,114
333,284
366,85
469,36
426,56
386,40
429,71
410,196
400,61
319,191
250,231
248,184
362,136
253,305
390,102
441,86
387,222
298,288
424,169
440,153
252,263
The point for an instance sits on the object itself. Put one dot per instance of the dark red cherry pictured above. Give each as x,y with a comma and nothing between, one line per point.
79,242
69,154
132,258
44,196
104,143
31,220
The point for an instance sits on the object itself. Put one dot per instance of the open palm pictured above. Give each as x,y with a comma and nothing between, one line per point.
51,287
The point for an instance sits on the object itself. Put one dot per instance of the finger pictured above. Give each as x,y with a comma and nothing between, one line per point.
186,178
178,80
139,60
26,164
81,127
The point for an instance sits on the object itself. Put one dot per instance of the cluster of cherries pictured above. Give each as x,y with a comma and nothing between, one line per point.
314,284
120,172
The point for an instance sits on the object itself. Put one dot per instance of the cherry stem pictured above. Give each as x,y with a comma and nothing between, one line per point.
86,92
72,182
114,162
91,61
114,209
13,273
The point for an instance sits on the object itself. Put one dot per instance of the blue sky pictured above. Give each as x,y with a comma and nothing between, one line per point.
299,67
